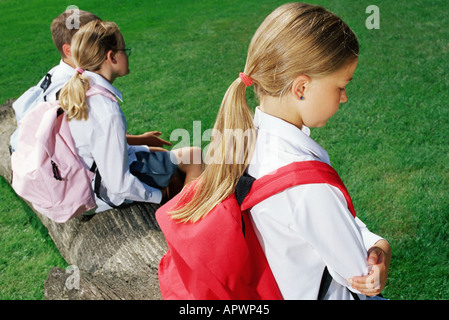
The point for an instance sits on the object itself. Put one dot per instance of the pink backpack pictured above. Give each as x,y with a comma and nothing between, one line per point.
47,171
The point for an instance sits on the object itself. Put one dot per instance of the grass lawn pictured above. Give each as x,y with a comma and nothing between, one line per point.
389,142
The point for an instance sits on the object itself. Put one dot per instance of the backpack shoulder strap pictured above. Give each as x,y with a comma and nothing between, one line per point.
97,89
46,82
250,192
294,174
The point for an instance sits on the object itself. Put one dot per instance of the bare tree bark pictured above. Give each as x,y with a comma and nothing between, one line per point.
114,254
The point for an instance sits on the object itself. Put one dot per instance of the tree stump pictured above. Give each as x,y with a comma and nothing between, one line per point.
112,254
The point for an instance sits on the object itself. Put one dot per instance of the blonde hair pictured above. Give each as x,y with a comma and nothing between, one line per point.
89,47
61,34
294,39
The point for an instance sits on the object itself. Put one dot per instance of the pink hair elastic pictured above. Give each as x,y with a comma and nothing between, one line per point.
79,70
246,80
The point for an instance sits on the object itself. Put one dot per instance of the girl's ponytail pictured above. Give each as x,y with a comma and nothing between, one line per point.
72,97
227,157
233,133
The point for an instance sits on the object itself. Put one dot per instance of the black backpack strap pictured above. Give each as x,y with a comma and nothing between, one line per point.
243,187
46,82
241,191
59,112
354,295
57,94
97,184
326,280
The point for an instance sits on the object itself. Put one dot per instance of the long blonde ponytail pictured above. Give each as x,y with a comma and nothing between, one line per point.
227,156
89,48
294,39
72,97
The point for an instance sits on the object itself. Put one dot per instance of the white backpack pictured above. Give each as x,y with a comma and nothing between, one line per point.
28,100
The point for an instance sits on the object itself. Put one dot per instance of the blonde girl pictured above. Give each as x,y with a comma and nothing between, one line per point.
98,126
299,62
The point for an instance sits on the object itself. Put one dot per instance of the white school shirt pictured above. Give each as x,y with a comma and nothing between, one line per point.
306,227
102,138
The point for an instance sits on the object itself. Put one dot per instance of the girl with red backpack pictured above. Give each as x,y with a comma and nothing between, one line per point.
299,61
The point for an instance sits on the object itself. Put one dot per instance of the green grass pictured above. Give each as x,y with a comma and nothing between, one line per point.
388,142
27,253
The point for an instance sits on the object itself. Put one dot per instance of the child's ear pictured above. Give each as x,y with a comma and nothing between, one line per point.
299,86
111,56
66,49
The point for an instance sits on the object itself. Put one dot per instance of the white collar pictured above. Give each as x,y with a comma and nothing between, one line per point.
294,138
67,69
95,78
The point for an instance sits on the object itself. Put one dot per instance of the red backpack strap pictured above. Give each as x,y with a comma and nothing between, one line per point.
294,174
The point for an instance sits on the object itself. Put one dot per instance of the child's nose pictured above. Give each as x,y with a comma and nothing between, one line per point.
343,97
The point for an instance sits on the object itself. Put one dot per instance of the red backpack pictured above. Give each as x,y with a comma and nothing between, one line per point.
219,257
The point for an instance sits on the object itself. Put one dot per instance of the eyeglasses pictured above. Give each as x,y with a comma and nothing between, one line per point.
127,51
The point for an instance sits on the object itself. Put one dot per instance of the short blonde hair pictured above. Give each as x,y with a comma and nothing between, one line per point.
89,47
295,39
61,34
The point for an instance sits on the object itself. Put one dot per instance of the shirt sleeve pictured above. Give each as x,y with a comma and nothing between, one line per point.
323,220
369,238
110,152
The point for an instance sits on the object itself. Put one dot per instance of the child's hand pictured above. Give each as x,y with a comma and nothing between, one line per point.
150,139
379,259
